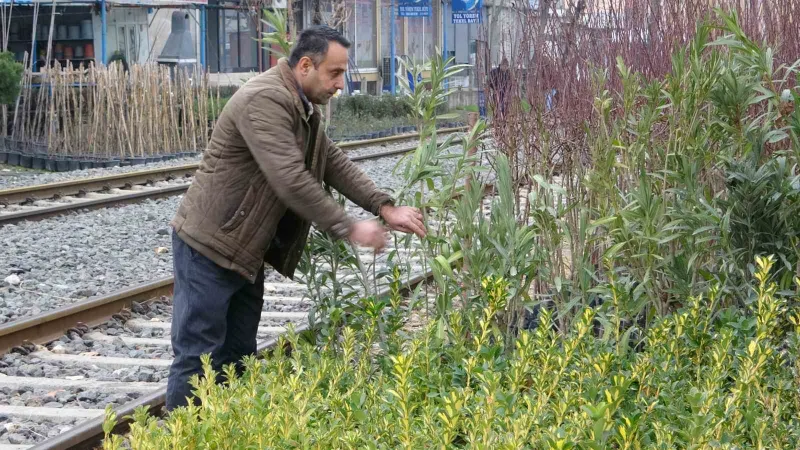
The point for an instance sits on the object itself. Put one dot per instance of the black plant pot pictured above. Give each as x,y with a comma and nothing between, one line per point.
38,162
62,165
111,163
3,157
50,164
137,161
86,164
26,161
74,164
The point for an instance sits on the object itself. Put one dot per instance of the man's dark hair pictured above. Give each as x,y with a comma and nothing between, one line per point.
313,42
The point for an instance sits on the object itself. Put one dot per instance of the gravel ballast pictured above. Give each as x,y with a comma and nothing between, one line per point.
66,259
21,432
62,260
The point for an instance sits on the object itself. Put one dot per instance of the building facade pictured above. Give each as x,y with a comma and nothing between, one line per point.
225,34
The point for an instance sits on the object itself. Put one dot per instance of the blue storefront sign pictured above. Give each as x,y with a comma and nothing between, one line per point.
467,11
414,8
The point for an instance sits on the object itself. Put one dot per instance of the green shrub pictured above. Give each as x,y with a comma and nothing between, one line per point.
385,106
10,76
700,381
763,216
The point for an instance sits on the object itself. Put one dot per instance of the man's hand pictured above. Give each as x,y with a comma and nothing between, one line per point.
404,218
368,233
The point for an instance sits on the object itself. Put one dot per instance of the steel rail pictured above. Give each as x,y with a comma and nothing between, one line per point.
51,325
106,183
90,434
82,186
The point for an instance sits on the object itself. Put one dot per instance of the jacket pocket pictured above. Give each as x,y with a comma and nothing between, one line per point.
241,213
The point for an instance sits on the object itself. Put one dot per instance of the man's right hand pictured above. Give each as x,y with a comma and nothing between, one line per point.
368,233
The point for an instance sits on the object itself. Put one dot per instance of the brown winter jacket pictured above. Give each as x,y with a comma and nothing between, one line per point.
259,184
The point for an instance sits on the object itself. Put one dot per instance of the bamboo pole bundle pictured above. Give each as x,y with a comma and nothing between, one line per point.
202,113
183,111
73,81
102,112
122,88
145,111
50,102
165,108
136,103
110,120
190,128
96,108
154,117
79,120
173,114
180,110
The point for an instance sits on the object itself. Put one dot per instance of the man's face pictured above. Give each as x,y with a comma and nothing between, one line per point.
321,83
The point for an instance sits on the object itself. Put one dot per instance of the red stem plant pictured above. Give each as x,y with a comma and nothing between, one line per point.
603,99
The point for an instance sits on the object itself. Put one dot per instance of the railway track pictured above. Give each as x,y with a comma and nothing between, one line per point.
66,365
115,349
53,199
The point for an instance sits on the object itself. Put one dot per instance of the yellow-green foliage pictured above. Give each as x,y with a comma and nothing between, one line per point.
699,381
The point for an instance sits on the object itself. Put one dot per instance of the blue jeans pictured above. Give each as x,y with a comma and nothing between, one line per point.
214,310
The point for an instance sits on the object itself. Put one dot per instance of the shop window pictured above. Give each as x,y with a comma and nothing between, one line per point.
72,35
235,46
128,42
361,33
421,41
386,29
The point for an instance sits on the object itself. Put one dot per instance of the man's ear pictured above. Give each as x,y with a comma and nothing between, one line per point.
305,65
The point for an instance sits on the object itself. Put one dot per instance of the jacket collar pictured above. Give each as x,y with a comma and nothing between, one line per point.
303,105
